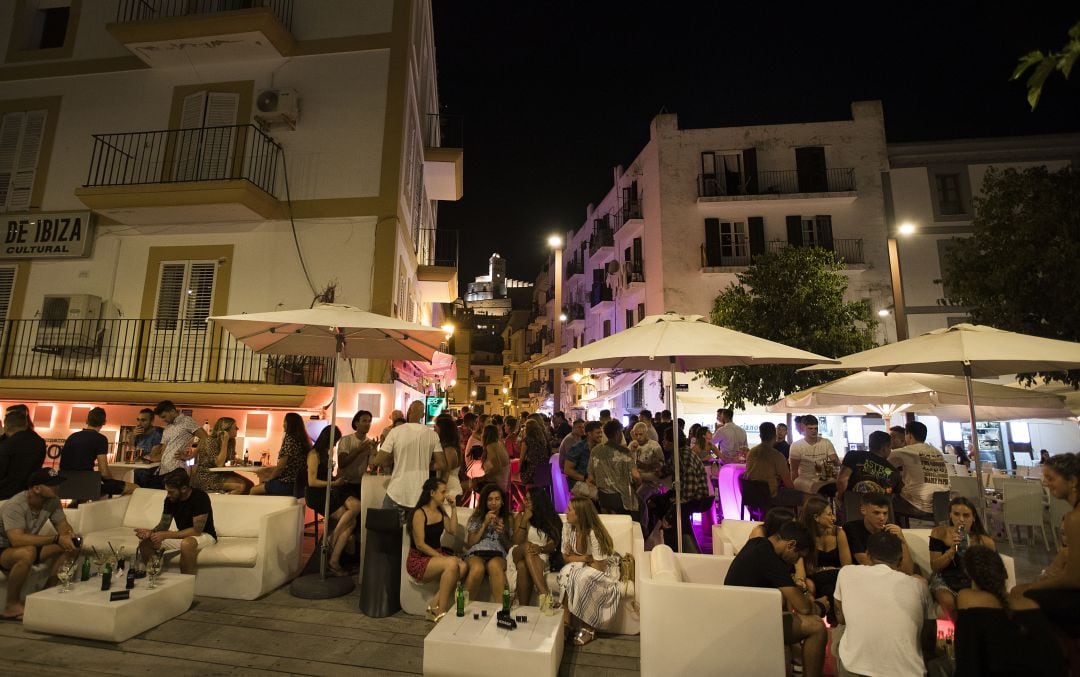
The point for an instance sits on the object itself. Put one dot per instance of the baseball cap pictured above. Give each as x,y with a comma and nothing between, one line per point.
46,476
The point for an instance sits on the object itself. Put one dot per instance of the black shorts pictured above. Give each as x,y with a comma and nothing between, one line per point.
112,487
37,558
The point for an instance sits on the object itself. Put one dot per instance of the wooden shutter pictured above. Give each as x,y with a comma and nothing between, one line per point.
22,180
712,242
199,294
10,131
750,169
823,226
189,138
794,231
757,235
221,108
185,293
170,291
7,287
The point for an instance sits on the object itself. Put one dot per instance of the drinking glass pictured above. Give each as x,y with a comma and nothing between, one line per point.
99,559
154,569
63,574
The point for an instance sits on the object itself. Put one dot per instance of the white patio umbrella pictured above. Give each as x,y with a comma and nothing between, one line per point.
337,331
968,350
934,394
680,343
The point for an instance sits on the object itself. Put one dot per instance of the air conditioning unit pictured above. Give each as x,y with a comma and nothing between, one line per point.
69,321
277,107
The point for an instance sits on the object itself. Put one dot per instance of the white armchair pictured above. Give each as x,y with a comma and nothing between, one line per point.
730,536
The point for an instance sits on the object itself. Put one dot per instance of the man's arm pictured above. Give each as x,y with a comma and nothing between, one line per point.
907,565
19,538
570,470
103,466
798,600
782,470
839,613
842,480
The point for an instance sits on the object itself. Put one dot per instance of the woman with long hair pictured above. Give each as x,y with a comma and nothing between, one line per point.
428,560
510,437
450,441
488,536
948,541
999,636
537,537
702,446
818,572
590,578
215,450
536,456
495,460
280,480
343,507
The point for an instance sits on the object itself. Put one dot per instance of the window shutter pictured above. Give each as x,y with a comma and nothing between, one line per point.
170,289
750,168
794,231
185,293
200,294
757,235
189,139
10,131
7,286
823,225
221,109
22,181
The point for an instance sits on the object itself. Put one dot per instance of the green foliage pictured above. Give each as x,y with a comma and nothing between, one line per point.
1042,65
795,297
1020,270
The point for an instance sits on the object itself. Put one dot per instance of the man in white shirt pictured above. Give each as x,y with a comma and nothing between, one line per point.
413,448
924,473
808,457
176,439
729,438
882,611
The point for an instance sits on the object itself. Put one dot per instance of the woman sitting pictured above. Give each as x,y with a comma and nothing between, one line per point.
343,507
947,544
818,572
996,637
217,449
590,579
537,536
488,539
427,560
702,446
280,480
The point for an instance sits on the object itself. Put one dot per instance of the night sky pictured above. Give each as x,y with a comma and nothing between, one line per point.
553,95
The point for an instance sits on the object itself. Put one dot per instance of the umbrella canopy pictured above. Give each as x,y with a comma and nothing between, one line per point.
691,340
316,332
988,353
941,396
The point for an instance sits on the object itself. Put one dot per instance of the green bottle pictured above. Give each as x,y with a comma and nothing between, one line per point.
85,569
506,599
460,600
106,577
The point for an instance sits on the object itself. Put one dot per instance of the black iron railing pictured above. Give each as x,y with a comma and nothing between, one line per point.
628,210
850,250
635,271
185,156
149,10
437,247
600,294
575,311
601,237
146,350
786,182
575,265
716,256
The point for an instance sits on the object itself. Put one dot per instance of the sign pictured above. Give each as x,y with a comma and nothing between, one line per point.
682,387
47,235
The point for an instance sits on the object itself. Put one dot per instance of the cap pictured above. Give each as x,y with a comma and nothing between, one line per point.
46,476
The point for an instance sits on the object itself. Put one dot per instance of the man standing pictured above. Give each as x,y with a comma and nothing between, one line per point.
22,545
882,612
874,519
576,463
176,440
767,562
21,453
412,447
559,426
354,452
923,474
809,456
576,437
767,464
194,516
868,471
781,444
729,438
87,446
899,436
614,472
645,416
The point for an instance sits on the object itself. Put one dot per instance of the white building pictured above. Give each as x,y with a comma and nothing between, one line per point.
219,157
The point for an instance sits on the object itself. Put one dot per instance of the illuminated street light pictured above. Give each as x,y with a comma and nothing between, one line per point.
474,393
505,390
576,376
448,329
562,317
884,312
906,228
555,242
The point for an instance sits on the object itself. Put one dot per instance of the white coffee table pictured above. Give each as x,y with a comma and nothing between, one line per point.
534,648
85,611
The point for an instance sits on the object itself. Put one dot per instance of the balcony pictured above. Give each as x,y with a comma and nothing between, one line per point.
737,255
601,293
47,356
836,183
635,272
629,210
719,256
575,265
601,238
178,176
437,264
185,33
575,312
444,157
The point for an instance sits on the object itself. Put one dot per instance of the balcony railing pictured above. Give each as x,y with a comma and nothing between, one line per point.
600,294
149,10
786,182
574,312
184,156
626,211
146,350
716,256
575,266
601,237
437,247
635,271
850,250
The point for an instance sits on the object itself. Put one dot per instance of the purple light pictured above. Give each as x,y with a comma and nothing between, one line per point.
730,495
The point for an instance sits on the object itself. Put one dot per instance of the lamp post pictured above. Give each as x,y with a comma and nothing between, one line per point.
899,306
556,243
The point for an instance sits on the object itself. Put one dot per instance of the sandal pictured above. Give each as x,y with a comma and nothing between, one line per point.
584,636
429,612
336,570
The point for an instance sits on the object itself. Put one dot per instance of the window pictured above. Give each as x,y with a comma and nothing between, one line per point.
809,233
629,318
185,295
48,25
42,29
946,251
640,312
607,328
733,241
637,394
21,134
205,144
950,192
950,202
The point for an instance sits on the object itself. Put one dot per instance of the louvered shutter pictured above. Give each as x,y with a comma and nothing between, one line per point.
221,108
26,161
170,292
189,138
7,287
199,295
757,235
794,231
823,224
10,131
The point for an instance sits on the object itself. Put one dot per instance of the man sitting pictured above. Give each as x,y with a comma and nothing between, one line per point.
766,464
866,472
194,516
924,474
21,542
875,518
767,563
883,612
22,452
87,446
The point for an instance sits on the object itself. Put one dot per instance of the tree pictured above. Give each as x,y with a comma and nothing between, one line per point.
1020,269
1045,64
795,297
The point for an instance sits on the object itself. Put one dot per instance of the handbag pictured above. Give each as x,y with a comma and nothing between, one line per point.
627,567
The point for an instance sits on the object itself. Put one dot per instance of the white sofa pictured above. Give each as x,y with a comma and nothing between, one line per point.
625,534
730,536
918,543
40,574
693,624
258,546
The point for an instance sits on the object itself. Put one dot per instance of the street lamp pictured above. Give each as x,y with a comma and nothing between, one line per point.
562,317
448,329
892,229
556,243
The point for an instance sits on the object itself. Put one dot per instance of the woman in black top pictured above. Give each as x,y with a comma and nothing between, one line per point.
996,638
947,545
818,572
427,560
343,507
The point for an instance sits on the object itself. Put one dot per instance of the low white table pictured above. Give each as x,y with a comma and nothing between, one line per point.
535,648
249,471
86,611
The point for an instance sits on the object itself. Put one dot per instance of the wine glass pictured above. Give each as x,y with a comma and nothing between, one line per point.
63,574
99,559
154,569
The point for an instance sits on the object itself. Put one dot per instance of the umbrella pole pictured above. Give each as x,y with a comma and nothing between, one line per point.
677,453
325,550
974,437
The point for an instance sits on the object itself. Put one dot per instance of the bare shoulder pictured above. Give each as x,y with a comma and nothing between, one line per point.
976,599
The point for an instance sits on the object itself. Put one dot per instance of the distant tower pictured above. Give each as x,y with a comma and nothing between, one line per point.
497,269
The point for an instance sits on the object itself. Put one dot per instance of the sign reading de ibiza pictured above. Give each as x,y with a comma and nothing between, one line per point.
47,235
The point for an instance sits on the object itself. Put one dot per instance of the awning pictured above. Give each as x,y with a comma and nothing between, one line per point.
617,386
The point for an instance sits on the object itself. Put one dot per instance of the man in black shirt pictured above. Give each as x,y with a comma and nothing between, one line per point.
21,453
875,518
88,446
869,471
194,516
767,563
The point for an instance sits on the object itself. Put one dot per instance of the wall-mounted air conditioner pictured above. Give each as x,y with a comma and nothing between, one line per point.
69,321
277,107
